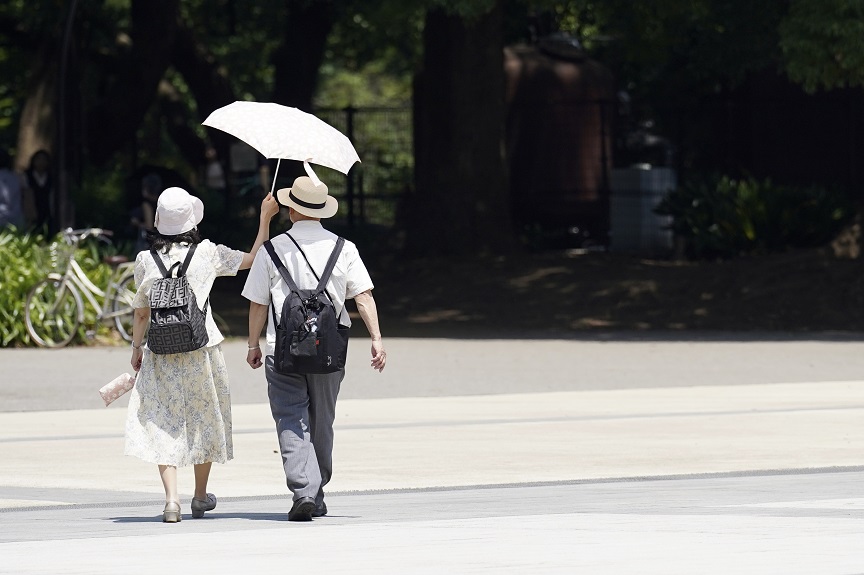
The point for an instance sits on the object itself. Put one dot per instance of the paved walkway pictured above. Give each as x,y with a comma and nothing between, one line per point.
615,457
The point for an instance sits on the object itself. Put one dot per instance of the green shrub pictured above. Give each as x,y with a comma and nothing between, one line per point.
27,258
725,217
100,201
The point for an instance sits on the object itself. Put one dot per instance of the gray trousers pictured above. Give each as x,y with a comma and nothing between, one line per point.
304,407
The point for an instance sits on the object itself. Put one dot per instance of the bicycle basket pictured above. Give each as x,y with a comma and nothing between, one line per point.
57,256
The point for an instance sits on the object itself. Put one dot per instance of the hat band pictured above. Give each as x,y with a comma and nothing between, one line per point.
309,205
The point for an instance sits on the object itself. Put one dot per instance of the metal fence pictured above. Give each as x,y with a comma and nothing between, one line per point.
566,150
374,188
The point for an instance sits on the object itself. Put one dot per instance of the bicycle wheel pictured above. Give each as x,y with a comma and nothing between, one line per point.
53,311
122,301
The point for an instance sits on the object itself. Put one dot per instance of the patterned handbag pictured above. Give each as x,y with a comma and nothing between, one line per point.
117,387
177,324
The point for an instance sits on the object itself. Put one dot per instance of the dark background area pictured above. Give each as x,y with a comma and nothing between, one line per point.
489,133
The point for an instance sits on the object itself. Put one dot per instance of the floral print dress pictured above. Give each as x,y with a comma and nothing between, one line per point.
180,408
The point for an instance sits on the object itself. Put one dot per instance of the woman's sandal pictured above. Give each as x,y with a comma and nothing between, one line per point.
199,506
171,513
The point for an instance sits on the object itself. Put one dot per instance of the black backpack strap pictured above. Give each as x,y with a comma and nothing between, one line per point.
331,263
167,272
188,259
182,272
286,277
159,263
328,269
281,267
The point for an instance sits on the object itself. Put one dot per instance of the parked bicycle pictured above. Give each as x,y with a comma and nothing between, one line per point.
54,309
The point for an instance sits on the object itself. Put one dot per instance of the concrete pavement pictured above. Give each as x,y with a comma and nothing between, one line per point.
37,379
739,524
610,457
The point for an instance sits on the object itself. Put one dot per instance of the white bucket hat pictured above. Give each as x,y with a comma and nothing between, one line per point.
308,199
177,212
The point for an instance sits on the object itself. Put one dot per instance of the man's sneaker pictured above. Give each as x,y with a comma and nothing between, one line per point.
320,511
302,509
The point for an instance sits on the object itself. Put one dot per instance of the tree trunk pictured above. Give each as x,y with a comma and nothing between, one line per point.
207,80
209,84
37,127
460,205
296,63
38,122
298,58
177,121
114,120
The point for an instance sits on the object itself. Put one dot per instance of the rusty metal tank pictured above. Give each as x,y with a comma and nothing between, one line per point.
560,107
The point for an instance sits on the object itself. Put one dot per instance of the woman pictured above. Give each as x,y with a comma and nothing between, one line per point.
11,211
180,408
38,178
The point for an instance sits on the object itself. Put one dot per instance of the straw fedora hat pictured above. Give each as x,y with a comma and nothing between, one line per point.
177,211
308,199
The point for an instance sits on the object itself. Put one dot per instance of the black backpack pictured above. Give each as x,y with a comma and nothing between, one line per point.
176,322
309,339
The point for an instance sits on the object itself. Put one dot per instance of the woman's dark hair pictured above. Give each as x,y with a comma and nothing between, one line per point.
36,155
157,241
152,183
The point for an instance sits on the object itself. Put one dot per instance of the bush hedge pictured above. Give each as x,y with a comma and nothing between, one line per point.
723,217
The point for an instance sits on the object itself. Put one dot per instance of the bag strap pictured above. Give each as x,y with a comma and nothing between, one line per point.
182,272
322,281
160,264
281,268
328,269
188,259
286,277
167,272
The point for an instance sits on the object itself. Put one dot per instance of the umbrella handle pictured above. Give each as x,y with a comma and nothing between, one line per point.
276,173
312,176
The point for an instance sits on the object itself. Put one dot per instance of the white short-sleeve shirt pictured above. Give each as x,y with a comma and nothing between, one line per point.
209,262
349,279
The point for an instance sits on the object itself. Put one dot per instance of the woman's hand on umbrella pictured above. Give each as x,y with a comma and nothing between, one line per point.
269,208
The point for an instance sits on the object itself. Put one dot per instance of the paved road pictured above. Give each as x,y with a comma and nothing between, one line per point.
732,455
797,523
34,379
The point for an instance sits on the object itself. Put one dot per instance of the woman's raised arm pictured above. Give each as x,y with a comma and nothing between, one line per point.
269,208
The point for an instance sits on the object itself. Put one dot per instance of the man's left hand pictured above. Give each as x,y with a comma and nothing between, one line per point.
379,356
253,358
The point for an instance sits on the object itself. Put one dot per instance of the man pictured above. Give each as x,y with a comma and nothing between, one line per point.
11,210
304,406
144,214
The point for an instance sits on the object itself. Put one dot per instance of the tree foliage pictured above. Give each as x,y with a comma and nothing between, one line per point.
658,48
371,55
823,43
143,74
673,50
